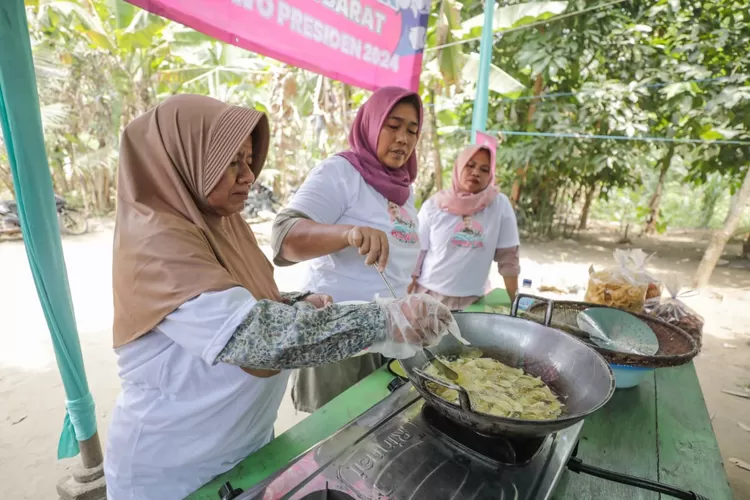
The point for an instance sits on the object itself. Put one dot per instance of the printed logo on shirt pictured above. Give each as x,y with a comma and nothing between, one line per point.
404,228
468,234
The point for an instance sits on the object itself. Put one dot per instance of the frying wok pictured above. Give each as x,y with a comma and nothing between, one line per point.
576,373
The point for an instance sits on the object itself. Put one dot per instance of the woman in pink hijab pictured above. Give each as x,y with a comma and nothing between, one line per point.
464,228
355,210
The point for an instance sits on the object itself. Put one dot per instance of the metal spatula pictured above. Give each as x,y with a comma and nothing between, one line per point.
439,365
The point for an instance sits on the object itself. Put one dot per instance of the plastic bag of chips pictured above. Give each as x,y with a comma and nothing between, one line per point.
676,312
623,286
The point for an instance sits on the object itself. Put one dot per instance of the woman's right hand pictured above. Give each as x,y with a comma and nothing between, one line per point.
419,320
412,286
370,242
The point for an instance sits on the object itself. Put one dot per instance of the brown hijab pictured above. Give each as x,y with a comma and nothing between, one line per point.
169,247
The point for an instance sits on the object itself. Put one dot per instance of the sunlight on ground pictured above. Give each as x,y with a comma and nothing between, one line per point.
32,408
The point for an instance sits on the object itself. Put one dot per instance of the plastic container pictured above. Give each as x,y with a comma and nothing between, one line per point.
629,376
525,302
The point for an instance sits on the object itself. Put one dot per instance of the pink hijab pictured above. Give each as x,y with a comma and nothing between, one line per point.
393,184
458,202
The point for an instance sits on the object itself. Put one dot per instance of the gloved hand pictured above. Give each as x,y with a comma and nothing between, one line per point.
412,323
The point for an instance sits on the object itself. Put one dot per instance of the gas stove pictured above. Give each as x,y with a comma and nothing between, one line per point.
403,449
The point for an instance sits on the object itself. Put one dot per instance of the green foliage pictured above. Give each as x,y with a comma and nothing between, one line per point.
683,205
626,70
101,63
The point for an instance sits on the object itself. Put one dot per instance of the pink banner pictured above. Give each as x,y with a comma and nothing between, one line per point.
367,43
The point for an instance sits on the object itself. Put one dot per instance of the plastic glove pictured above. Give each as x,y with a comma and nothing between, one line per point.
412,323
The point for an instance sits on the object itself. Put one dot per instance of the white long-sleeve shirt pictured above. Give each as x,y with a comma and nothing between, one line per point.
180,420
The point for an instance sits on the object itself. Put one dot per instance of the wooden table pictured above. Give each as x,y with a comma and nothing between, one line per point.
659,430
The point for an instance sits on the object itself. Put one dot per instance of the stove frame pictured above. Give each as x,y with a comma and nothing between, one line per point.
392,452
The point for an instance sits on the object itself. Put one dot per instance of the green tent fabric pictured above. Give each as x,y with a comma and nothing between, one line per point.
24,141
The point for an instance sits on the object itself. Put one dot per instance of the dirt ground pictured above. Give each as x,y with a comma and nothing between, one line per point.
31,393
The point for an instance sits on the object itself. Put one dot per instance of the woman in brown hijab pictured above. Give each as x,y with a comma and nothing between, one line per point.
203,335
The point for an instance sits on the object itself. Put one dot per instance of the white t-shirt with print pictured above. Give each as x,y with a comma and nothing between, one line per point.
460,250
335,193
180,420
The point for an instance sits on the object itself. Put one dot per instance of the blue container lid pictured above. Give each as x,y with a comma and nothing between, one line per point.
632,368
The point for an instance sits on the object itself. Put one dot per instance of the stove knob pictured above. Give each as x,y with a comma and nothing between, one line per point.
226,492
395,384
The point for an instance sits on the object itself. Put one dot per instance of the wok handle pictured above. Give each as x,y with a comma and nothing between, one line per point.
463,396
576,465
547,313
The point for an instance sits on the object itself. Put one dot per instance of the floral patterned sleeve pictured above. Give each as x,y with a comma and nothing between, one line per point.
277,336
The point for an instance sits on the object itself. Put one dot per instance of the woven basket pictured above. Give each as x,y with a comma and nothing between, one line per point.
676,347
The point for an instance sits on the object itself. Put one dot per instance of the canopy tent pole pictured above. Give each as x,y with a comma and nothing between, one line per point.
479,116
24,141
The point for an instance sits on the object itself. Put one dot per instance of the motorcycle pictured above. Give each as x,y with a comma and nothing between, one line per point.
260,202
71,220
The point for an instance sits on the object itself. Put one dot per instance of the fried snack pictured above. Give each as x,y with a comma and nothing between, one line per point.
654,291
624,286
603,290
499,390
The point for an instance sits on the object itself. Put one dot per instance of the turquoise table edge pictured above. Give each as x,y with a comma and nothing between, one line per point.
677,446
323,423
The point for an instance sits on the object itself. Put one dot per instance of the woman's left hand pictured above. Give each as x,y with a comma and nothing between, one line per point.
319,300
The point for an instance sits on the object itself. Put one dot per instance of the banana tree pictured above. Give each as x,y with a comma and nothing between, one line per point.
54,114
217,69
450,39
111,53
121,60
131,38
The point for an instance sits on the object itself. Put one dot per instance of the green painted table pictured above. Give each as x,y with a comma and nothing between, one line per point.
659,430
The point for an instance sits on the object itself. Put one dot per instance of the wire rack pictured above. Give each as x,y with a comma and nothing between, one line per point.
676,347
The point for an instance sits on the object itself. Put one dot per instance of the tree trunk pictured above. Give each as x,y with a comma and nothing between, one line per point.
720,237
59,179
345,106
746,247
653,205
281,89
426,190
625,240
583,224
436,162
7,180
80,180
569,209
106,190
732,206
515,190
